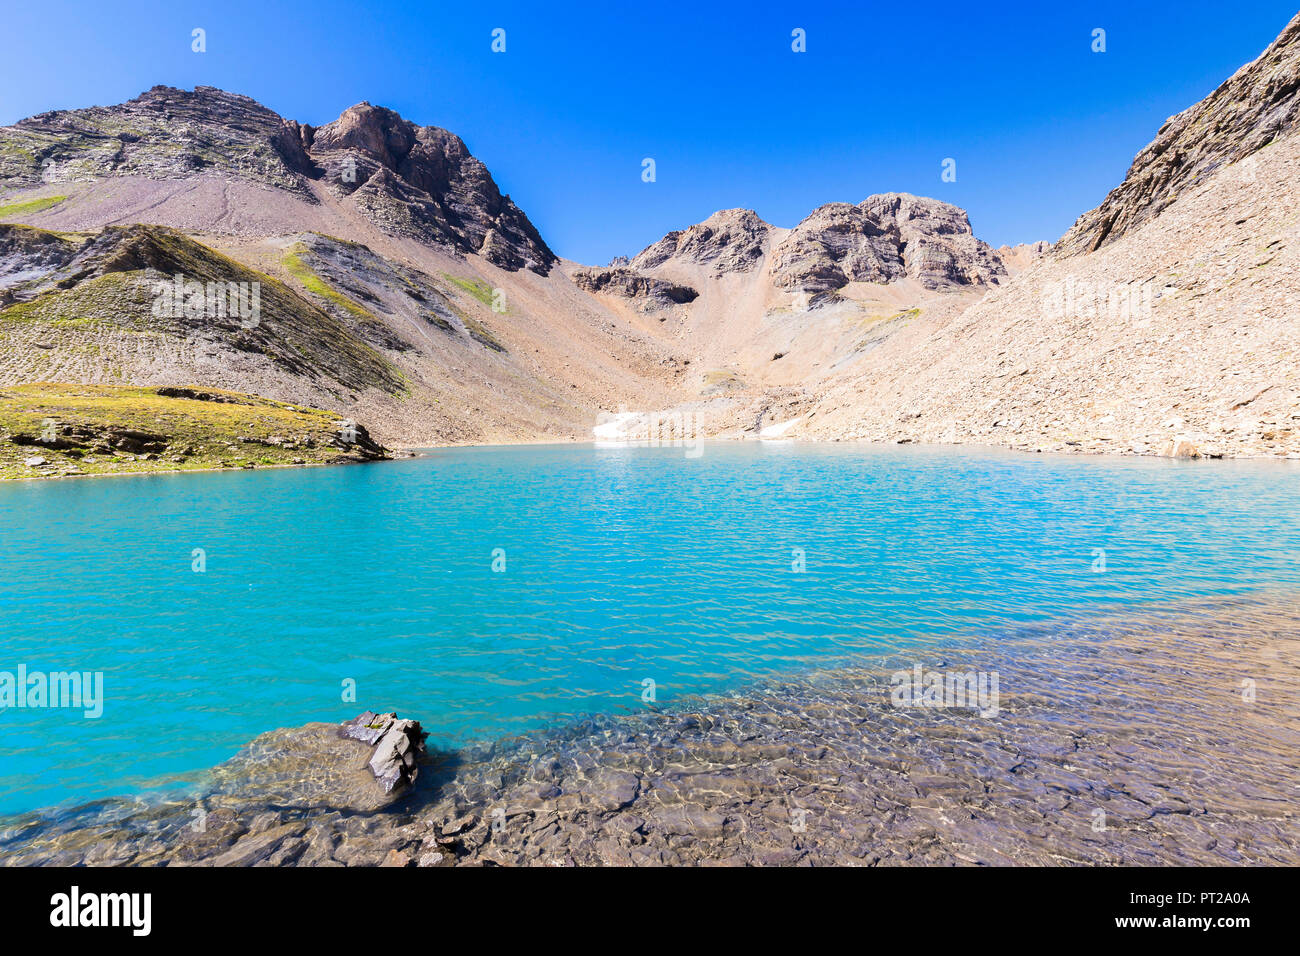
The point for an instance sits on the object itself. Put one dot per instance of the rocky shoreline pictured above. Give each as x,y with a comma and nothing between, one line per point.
1171,741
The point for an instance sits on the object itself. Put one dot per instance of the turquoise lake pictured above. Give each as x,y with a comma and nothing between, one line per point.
621,565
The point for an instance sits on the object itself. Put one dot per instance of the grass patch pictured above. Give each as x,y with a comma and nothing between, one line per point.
116,298
107,429
475,287
720,380
30,206
877,326
313,283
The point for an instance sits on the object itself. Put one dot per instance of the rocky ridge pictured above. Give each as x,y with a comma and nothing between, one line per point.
409,180
1252,108
164,133
116,291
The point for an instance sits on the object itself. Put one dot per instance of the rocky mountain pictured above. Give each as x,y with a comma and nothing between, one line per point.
1249,110
398,286
395,282
882,239
1164,323
408,180
421,181
764,313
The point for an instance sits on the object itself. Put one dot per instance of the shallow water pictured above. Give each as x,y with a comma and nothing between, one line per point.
621,565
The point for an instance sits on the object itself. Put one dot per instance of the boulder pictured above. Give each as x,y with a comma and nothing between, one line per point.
398,745
353,437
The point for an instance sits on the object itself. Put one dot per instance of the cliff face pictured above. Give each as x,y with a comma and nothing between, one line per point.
1251,109
421,181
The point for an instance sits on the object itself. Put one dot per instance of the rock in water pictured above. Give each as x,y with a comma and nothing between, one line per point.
398,745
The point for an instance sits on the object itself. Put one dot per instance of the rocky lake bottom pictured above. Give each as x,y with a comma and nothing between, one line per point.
1170,738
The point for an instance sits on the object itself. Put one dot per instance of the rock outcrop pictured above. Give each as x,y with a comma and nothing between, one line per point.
117,429
650,292
731,240
28,255
884,238
1022,255
1250,110
422,181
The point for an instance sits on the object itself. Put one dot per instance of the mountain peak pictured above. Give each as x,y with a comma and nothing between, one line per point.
417,181
886,237
730,240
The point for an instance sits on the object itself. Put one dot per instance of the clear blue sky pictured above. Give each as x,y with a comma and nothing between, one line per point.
1040,126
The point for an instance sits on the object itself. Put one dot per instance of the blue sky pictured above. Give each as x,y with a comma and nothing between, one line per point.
1039,125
